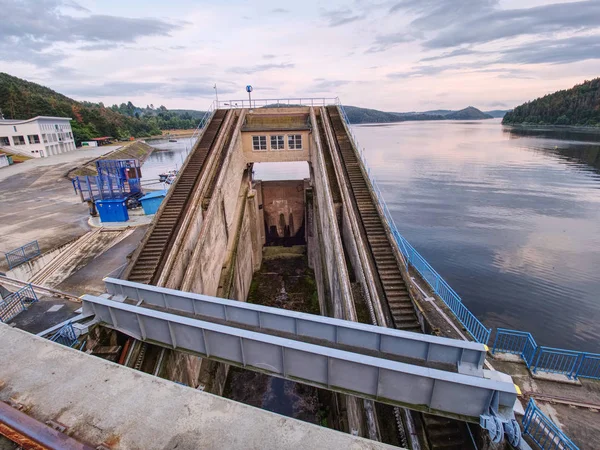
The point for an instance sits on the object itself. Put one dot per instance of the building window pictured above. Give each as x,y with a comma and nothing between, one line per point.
277,142
295,141
34,138
15,128
45,138
259,143
4,140
19,140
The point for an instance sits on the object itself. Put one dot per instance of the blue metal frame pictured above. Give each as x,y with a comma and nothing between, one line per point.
556,360
65,335
516,342
17,302
543,431
474,327
22,254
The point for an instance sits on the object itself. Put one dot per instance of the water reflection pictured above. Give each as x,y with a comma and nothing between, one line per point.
510,217
167,156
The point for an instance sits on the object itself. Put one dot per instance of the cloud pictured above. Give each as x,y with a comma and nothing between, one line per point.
342,16
269,56
452,54
386,41
175,87
280,10
260,68
455,23
36,26
321,84
554,51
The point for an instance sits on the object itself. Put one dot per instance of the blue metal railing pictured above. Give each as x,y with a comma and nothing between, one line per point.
571,363
474,327
556,360
543,431
517,342
16,302
65,335
22,254
589,366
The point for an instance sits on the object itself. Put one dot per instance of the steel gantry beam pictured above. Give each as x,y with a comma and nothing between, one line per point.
465,357
446,393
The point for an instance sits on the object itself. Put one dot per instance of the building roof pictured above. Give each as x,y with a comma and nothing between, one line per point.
103,138
14,121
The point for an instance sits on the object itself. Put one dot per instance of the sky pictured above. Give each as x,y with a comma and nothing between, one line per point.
397,55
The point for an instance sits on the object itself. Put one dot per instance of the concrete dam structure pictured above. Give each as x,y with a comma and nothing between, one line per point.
291,295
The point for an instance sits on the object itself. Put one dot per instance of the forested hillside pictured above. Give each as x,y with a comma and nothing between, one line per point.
579,105
21,99
363,115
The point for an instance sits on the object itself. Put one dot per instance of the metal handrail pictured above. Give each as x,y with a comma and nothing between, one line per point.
22,254
16,302
543,431
278,102
205,119
474,327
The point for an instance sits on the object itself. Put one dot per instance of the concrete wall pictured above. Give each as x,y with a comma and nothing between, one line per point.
283,207
187,238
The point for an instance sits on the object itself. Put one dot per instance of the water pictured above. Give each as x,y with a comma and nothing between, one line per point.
168,156
511,219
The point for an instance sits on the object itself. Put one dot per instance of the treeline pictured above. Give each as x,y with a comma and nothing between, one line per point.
21,99
579,105
161,117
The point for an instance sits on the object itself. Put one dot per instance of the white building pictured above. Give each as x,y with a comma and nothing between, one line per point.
3,163
39,137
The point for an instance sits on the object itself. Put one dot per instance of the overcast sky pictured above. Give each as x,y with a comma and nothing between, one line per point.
402,55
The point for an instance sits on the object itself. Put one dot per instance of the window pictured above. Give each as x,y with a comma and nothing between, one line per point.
45,138
277,142
34,138
19,140
4,140
259,143
295,141
53,136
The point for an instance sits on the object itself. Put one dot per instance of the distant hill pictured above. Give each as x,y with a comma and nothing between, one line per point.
21,99
497,113
358,115
579,106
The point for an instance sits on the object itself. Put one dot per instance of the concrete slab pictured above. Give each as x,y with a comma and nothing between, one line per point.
102,402
44,314
570,406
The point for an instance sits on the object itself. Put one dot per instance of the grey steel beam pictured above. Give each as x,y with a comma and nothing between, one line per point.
449,394
468,357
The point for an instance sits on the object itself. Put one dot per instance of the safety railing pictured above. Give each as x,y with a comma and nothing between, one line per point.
556,360
570,363
65,335
205,119
589,366
22,254
474,327
279,102
516,342
543,431
16,302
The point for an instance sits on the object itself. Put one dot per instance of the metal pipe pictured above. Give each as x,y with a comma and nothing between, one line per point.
31,434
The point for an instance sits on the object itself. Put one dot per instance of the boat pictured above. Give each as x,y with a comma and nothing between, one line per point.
172,140
166,175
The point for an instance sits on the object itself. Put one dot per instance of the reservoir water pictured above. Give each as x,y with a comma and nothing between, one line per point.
510,218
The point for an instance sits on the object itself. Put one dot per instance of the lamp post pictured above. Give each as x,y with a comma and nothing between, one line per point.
249,90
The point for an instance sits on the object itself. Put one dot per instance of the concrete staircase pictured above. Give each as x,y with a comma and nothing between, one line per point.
392,283
156,247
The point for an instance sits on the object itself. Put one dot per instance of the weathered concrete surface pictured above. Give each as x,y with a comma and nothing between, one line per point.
559,400
44,314
102,402
88,279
